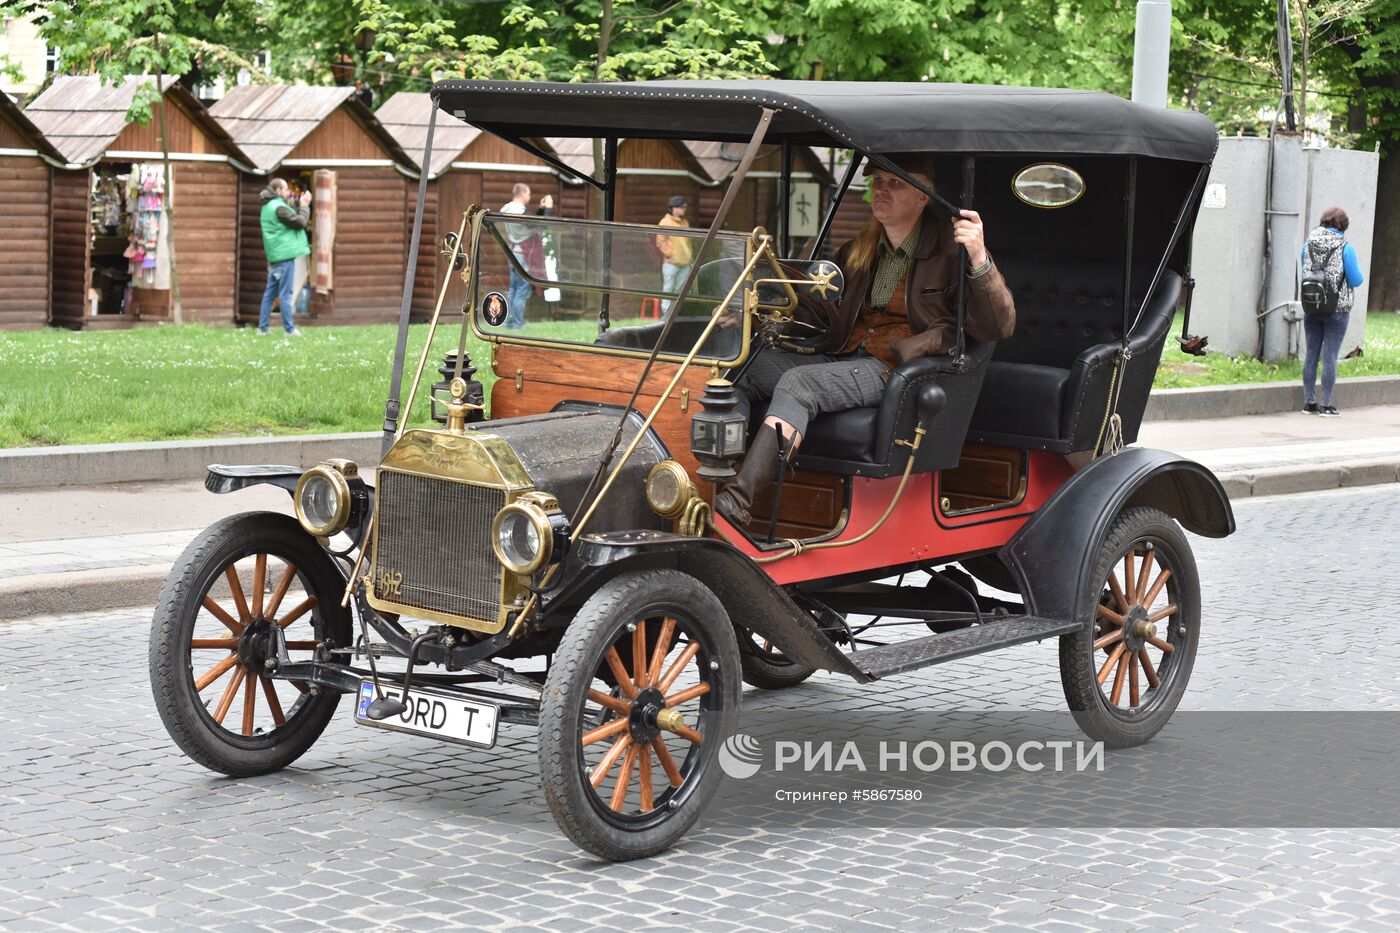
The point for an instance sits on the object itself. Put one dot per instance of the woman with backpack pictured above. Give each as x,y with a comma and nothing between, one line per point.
1330,272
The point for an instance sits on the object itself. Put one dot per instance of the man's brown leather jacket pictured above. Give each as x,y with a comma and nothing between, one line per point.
930,297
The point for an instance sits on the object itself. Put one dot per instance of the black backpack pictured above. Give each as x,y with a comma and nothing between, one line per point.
1319,294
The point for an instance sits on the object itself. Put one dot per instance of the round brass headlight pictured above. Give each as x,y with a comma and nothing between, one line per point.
521,537
668,489
322,501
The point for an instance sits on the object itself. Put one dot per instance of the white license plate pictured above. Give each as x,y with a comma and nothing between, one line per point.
435,713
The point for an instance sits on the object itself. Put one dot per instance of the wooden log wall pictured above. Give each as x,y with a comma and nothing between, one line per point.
370,248
252,263
850,217
206,239
24,242
449,195
184,135
71,244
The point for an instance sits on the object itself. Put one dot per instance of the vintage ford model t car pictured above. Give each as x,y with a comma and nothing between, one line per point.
561,565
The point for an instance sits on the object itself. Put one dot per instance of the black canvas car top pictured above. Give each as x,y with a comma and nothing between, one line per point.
880,117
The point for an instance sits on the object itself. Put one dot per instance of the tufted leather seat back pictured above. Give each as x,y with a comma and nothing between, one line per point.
1062,307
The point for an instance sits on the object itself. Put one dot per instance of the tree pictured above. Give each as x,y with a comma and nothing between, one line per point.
160,38
585,40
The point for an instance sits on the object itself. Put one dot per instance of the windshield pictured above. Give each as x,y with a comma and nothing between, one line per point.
607,285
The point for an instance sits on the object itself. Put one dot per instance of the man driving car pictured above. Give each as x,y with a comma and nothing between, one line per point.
898,304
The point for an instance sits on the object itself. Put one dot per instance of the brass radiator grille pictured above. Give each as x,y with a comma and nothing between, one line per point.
436,533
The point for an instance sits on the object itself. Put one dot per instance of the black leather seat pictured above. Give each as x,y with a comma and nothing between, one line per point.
862,441
723,343
1047,386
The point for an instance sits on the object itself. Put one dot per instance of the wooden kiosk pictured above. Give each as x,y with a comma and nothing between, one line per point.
323,138
110,241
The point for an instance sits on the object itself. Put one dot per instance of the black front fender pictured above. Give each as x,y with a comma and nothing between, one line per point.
1052,556
222,478
749,595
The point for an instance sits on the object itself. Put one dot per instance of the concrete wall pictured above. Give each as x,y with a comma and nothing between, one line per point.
1228,246
1346,178
1227,254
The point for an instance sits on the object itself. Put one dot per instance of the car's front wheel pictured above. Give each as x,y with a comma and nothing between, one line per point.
211,639
641,694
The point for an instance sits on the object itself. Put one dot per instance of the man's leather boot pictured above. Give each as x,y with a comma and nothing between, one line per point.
759,470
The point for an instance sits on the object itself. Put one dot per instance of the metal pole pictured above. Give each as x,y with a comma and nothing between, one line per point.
784,193
969,176
610,178
1287,184
1129,222
391,406
609,212
1152,45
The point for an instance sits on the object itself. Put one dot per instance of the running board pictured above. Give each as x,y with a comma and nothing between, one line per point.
949,646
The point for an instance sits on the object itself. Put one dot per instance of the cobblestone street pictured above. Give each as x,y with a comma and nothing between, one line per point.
104,824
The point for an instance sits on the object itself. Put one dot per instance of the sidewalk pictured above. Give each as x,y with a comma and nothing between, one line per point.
80,548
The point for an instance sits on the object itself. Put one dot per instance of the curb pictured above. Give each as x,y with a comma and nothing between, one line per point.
1280,481
51,594
1263,398
99,464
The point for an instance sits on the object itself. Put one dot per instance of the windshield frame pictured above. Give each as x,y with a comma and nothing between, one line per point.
480,232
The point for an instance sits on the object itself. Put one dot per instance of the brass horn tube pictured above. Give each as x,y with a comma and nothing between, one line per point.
407,409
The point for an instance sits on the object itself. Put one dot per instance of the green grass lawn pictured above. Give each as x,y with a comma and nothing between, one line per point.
1381,358
164,383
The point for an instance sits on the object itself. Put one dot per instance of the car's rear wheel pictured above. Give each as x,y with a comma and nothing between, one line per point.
641,695
1125,672
764,664
211,639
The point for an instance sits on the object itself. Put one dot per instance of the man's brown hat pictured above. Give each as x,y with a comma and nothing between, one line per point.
915,163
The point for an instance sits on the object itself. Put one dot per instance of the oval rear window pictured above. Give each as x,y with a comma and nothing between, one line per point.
1048,184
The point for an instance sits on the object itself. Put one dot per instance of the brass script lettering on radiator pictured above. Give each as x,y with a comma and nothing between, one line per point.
389,583
440,459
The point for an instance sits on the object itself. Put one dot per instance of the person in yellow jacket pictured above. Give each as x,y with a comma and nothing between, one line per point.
677,252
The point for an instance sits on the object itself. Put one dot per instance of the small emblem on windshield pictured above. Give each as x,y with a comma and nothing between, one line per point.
494,308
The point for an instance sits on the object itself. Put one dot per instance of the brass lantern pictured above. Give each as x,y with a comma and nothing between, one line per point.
717,432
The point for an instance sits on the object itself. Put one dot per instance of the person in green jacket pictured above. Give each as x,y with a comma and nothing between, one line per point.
284,241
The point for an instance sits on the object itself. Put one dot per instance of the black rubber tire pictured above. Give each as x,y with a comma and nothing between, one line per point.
599,623
1078,660
172,679
768,670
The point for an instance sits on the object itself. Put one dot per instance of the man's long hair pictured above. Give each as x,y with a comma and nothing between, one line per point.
861,254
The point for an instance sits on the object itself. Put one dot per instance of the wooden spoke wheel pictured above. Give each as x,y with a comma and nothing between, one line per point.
641,694
764,664
238,584
1125,672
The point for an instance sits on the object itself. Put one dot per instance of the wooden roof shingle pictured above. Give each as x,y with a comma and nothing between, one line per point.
81,116
405,116
269,121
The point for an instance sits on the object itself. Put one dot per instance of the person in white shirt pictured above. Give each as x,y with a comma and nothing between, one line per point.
516,235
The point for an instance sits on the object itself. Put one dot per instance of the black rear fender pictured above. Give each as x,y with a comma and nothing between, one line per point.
1052,556
749,595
